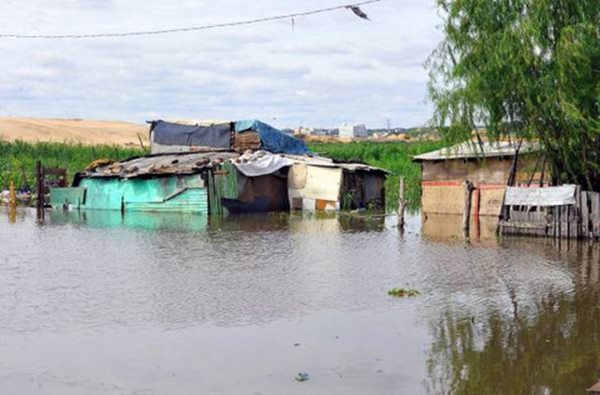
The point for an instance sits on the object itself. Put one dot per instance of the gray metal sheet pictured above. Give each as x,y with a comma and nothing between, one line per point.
471,149
549,196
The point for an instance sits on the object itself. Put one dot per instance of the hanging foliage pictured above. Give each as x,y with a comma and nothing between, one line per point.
523,68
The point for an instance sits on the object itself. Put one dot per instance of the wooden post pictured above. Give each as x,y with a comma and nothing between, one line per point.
467,211
39,172
12,204
475,211
401,204
585,215
12,201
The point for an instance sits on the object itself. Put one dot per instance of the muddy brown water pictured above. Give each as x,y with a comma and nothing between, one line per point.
97,303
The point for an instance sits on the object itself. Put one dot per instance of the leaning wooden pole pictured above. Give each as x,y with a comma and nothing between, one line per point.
467,210
401,204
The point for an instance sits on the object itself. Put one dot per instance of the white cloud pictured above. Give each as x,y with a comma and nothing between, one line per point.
330,68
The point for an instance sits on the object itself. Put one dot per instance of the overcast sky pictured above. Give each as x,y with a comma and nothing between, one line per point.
328,69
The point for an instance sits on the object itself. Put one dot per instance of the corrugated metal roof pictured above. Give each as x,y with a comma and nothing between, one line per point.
549,196
328,162
163,164
472,150
195,162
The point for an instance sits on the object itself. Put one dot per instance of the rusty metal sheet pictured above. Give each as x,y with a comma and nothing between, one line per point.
183,163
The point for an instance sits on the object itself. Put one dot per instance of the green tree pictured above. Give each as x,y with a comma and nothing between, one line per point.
524,68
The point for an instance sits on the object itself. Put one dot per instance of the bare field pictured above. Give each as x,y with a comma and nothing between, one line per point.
73,131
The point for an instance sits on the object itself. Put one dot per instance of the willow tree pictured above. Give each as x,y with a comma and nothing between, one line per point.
524,68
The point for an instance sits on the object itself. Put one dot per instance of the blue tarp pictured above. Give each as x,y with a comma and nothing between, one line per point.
272,139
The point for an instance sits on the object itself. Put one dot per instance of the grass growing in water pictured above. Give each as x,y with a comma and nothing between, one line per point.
17,159
393,156
402,292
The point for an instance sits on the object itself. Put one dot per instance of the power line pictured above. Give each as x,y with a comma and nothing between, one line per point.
186,29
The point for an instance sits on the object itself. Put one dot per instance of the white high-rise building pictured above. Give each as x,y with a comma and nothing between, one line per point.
353,131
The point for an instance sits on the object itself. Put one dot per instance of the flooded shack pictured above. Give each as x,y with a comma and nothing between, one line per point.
230,167
489,167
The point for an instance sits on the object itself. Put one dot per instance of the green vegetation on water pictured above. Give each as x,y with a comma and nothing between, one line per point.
17,159
395,157
402,292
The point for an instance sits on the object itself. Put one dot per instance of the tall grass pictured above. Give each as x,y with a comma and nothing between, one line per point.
395,157
17,159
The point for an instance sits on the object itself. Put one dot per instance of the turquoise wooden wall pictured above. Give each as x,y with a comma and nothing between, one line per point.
170,193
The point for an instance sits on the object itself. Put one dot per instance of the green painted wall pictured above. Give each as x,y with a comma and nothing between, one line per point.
170,193
222,183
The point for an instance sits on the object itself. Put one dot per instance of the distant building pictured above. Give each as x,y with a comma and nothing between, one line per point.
319,132
356,131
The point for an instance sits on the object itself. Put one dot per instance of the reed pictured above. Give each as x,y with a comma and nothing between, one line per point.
17,159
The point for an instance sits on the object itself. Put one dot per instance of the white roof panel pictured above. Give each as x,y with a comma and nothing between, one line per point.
472,149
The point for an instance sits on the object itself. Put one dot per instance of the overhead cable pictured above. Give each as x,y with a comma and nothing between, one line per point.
353,7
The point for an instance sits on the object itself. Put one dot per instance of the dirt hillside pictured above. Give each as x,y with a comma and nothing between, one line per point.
73,131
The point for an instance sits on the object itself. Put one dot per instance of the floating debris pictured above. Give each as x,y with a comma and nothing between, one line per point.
301,377
402,292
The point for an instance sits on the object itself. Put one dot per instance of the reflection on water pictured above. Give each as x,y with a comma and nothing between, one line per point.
448,227
187,222
189,304
536,343
132,220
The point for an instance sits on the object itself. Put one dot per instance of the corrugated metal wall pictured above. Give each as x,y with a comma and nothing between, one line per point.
170,193
222,183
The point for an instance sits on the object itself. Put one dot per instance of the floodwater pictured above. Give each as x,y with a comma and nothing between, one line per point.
97,303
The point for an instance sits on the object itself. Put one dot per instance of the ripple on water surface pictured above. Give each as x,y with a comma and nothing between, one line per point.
196,294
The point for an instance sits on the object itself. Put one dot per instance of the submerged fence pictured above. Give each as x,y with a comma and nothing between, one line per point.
568,216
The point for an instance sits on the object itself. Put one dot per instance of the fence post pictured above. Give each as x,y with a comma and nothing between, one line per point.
401,204
39,173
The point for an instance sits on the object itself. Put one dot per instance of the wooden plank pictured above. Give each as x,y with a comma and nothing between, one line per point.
564,222
573,222
522,225
595,213
585,214
550,219
558,222
577,213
